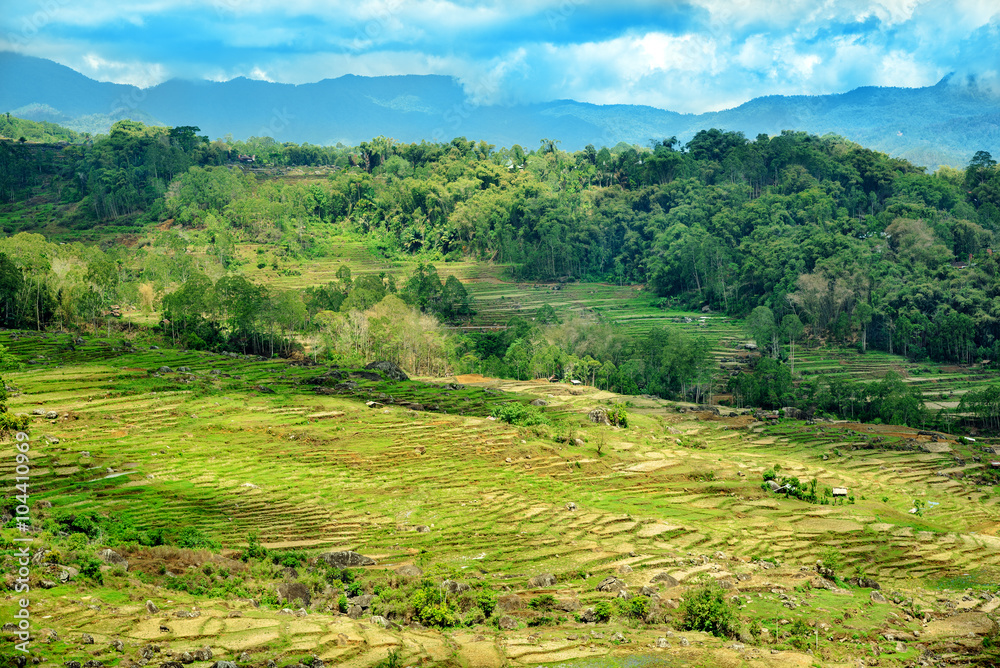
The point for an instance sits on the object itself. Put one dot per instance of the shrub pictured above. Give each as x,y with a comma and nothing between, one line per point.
486,600
618,416
707,610
542,602
636,607
91,568
194,539
522,415
602,611
254,549
431,608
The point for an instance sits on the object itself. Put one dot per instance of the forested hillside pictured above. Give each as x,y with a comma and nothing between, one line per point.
816,237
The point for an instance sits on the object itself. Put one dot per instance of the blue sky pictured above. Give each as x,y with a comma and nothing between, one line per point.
693,56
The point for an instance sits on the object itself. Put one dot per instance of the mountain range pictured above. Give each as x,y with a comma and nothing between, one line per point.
935,125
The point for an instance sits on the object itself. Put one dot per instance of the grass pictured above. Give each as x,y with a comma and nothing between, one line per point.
325,472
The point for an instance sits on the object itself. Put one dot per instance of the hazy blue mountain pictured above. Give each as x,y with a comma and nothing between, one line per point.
942,124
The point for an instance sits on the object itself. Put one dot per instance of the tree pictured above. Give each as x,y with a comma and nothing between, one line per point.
762,327
792,329
708,610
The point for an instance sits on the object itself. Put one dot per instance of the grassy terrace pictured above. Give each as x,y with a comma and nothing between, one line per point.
239,445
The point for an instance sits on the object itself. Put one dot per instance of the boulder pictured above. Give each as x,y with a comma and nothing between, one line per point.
666,578
543,580
453,587
203,654
366,375
611,584
662,643
379,620
224,664
355,612
624,569
409,571
289,591
539,402
509,603
113,558
598,416
877,597
508,623
588,616
571,507
346,559
164,369
151,608
567,604
391,370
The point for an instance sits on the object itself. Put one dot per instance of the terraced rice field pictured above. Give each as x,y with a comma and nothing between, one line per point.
239,445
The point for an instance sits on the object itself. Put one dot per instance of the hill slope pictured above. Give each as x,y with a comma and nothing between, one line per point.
942,124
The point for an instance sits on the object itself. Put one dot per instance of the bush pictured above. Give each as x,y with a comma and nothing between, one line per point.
194,539
602,611
254,549
487,601
431,608
707,610
10,423
91,568
522,415
542,602
617,415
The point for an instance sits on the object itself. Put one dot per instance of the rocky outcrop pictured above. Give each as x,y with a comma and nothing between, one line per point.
390,370
346,559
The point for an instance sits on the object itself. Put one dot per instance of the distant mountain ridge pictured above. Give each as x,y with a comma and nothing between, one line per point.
941,124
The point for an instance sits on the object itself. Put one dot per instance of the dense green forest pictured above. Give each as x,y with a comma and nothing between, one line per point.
811,238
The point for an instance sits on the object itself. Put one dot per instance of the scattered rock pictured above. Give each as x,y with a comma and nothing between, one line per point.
118,646
598,416
113,558
290,591
346,559
389,369
543,580
509,603
453,587
618,637
666,578
611,584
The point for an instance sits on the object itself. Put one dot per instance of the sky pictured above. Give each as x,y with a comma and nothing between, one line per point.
692,56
